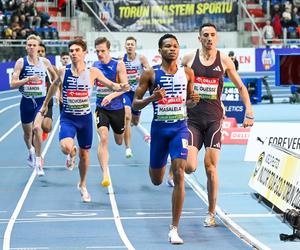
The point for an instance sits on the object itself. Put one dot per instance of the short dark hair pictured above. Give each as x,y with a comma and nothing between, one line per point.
207,25
166,36
130,38
79,42
231,53
64,53
43,45
101,40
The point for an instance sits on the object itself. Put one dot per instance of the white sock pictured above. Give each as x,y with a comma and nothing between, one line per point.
32,150
38,160
68,157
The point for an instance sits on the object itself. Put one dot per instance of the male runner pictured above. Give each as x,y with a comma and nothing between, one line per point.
30,76
135,64
171,89
205,119
76,117
110,108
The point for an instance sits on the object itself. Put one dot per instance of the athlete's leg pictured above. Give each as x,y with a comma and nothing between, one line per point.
84,162
135,119
127,134
178,167
103,154
157,175
210,162
192,159
27,130
47,125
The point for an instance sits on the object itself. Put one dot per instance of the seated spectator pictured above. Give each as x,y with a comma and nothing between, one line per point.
32,14
268,32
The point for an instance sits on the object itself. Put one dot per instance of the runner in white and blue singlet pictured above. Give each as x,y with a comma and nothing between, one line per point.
135,65
30,76
76,117
110,107
171,90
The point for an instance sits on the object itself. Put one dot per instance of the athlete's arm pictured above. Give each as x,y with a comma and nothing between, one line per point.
192,98
15,81
145,83
145,62
121,77
229,67
97,74
52,89
187,59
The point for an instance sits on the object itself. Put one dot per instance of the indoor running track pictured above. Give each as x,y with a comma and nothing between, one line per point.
47,213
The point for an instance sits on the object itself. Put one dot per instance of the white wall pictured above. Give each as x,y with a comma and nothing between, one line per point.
150,40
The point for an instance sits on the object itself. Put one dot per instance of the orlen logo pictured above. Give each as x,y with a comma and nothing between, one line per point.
77,93
170,100
239,135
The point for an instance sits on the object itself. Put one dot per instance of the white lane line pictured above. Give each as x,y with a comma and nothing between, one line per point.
230,224
115,211
13,218
9,107
268,215
69,219
10,98
64,166
9,131
162,213
64,211
9,91
106,247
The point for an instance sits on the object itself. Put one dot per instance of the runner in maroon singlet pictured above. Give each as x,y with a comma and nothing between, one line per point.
205,119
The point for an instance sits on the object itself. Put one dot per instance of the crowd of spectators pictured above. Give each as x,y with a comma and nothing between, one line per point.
20,18
284,15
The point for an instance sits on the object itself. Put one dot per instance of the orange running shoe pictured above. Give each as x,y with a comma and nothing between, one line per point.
44,136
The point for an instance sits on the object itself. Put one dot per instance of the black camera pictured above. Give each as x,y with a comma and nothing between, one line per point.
292,216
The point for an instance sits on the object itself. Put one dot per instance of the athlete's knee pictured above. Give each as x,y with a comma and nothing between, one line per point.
84,154
190,168
66,148
37,130
156,181
135,122
211,170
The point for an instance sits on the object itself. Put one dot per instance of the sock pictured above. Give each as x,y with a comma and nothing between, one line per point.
32,150
38,160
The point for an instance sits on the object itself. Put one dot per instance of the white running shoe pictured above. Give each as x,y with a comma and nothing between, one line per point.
128,153
210,220
31,160
85,196
39,168
173,236
70,161
170,182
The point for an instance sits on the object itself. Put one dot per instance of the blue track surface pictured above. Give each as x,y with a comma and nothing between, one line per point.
53,217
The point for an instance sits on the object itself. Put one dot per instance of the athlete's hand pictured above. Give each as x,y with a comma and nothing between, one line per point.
195,97
121,87
248,122
106,100
159,93
33,78
44,109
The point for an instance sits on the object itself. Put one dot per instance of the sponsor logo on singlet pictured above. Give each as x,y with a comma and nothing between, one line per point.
206,87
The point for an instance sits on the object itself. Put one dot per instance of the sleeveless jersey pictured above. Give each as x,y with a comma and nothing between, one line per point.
134,71
172,107
76,92
208,84
33,89
110,71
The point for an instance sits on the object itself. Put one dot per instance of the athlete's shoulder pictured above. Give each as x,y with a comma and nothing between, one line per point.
188,58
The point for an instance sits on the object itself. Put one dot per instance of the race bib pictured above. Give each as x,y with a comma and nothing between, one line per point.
102,90
170,108
34,89
133,77
78,100
206,88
